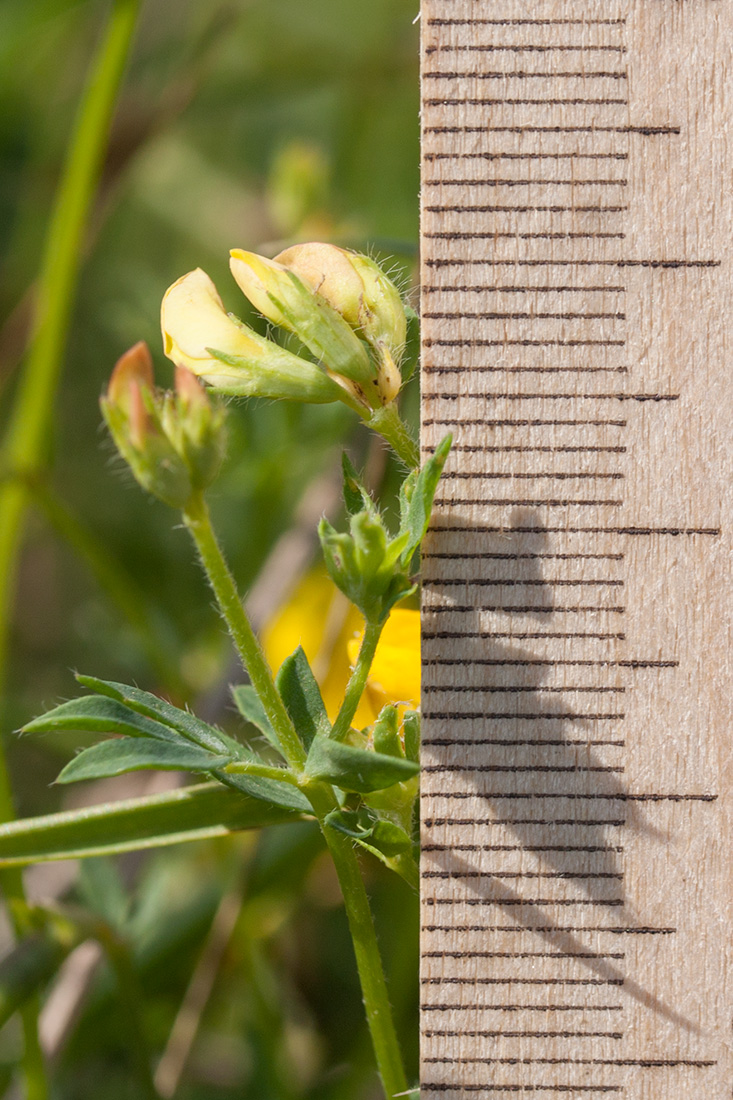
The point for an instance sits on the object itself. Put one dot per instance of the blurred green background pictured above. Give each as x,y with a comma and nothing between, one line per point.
249,123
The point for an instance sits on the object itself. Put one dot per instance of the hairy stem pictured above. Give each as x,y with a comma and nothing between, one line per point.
391,427
366,949
357,681
197,519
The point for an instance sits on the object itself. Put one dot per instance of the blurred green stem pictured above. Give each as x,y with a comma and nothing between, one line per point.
29,427
357,681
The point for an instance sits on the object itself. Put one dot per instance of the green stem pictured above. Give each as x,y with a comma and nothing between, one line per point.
26,442
197,519
366,949
390,426
357,681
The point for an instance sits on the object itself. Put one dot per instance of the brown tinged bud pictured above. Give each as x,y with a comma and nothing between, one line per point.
172,442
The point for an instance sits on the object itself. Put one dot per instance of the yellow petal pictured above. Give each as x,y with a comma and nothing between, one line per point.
193,319
395,673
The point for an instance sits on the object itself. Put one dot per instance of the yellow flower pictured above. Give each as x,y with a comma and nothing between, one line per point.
328,627
200,335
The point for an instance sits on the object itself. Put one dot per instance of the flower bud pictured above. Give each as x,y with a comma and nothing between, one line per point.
172,442
357,288
200,335
283,298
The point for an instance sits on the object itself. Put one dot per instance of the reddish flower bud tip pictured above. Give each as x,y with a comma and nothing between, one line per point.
134,368
188,386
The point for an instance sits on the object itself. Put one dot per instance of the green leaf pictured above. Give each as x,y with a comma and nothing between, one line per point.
142,702
418,499
190,813
250,707
127,754
302,697
411,732
96,714
386,732
269,790
355,769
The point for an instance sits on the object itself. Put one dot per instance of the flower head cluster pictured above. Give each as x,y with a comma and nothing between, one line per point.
342,308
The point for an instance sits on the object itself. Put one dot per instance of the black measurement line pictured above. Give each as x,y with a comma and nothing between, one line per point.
462,475
471,447
513,608
568,263
598,903
531,502
531,48
525,209
494,235
430,368
521,635
499,396
513,929
549,662
525,955
518,689
523,423
523,981
645,131
544,582
521,1034
525,156
437,22
493,1087
644,1063
575,101
542,716
577,824
509,182
523,315
601,848
572,796
713,532
480,289
517,557
572,875
514,743
523,74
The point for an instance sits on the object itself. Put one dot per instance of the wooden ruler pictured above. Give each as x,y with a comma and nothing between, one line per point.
577,679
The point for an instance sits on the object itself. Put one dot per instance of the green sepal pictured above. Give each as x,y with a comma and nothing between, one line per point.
301,695
416,500
411,734
249,705
386,732
385,836
127,754
142,702
353,769
356,497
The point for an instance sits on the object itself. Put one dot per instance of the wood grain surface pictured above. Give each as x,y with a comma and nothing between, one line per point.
577,658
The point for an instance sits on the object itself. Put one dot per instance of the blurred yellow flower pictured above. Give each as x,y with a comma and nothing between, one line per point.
320,619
